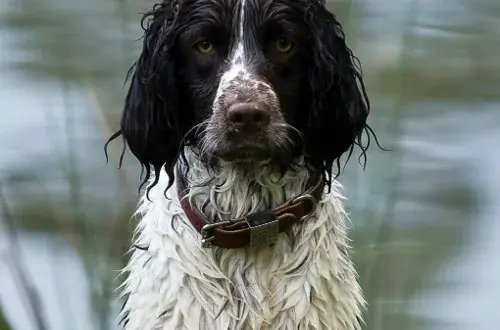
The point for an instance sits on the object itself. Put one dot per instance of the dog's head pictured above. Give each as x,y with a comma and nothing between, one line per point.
244,81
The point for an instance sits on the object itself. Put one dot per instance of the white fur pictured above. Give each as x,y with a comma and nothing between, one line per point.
304,281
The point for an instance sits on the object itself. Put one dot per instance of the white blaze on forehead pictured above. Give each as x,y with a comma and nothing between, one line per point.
239,53
237,58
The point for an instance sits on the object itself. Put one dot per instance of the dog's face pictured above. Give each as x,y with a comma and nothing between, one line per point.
244,63
243,81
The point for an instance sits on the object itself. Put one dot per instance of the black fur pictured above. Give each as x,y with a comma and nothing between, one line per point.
319,86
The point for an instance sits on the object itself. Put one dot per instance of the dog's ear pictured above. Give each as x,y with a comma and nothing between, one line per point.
151,123
340,106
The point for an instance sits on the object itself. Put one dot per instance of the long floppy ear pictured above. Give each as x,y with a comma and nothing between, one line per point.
340,106
151,121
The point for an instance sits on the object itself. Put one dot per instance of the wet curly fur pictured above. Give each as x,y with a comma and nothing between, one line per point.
291,59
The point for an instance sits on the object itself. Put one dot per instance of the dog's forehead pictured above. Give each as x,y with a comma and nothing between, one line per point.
237,5
233,15
232,6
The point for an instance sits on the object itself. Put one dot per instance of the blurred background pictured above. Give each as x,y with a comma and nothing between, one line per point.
426,215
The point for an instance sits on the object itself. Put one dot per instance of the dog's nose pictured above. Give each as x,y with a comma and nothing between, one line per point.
248,115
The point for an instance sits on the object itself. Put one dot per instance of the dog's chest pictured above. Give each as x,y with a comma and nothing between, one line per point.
304,280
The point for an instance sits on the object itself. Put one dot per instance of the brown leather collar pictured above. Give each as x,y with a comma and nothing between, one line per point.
255,229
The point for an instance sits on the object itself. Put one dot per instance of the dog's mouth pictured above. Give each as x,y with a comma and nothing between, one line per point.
244,151
273,144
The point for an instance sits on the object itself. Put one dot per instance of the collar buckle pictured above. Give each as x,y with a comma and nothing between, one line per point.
207,236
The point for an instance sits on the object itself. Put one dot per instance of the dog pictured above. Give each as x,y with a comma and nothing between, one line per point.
239,112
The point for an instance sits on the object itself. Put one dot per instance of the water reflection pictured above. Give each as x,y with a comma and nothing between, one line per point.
426,215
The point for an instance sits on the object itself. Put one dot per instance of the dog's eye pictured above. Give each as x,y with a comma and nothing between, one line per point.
284,45
204,47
